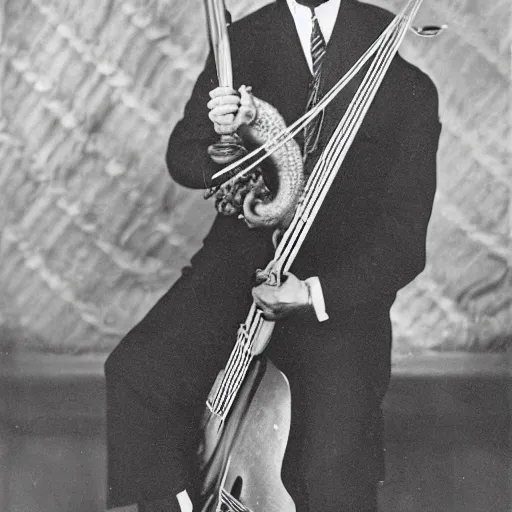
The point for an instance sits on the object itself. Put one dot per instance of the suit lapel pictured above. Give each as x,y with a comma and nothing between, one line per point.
290,43
284,63
348,42
351,38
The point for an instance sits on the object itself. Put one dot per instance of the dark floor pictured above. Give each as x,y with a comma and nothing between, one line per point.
448,435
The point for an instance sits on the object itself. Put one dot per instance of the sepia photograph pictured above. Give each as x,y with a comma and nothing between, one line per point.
255,256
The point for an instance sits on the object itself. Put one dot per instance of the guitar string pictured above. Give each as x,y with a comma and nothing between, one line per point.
234,370
235,373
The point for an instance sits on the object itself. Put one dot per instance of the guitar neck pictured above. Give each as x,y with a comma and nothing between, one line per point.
252,338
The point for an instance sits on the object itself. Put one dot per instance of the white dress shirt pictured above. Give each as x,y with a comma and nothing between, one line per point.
326,14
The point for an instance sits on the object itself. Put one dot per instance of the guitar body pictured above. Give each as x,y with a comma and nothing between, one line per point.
241,458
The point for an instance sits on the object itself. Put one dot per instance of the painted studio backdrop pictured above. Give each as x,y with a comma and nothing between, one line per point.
93,230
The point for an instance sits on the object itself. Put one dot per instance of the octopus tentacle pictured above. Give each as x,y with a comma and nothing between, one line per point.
259,122
287,159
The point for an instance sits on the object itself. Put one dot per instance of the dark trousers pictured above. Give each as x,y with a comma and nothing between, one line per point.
169,505
161,373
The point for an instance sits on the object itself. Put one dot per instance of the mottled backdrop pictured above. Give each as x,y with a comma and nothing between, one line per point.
93,231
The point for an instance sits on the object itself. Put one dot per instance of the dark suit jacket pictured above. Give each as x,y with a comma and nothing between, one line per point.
368,240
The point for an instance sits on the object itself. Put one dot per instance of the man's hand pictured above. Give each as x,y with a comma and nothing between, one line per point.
278,302
223,107
229,110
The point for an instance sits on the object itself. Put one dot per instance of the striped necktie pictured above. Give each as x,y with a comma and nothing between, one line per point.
318,47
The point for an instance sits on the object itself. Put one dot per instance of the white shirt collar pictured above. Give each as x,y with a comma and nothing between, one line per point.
326,14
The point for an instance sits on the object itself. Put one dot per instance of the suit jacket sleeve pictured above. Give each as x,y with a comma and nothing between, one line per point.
187,158
389,252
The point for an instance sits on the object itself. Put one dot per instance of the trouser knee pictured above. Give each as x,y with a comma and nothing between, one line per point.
134,374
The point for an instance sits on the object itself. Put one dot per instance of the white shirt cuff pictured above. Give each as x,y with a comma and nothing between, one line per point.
317,298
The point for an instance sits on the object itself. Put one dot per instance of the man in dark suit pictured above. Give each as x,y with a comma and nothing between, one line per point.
367,242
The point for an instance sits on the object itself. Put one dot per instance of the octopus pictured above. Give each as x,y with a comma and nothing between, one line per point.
268,195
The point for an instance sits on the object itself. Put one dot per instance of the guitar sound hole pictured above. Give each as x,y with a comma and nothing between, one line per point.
236,489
